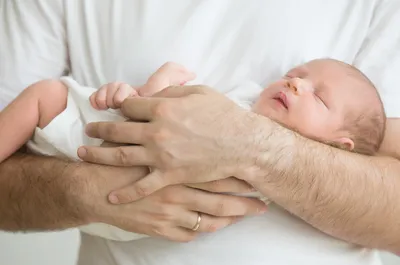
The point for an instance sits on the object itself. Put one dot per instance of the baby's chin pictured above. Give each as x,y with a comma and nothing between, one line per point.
270,109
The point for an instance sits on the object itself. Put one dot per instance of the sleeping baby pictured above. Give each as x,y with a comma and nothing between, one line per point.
325,100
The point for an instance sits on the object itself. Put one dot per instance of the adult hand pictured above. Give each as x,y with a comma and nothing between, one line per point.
171,212
190,135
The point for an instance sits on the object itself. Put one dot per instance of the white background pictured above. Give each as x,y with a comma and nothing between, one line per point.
61,249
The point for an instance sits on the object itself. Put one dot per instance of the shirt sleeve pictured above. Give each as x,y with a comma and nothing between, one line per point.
33,45
379,57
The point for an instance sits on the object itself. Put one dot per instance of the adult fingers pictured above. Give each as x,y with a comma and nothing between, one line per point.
178,234
231,184
142,188
143,108
126,156
118,132
206,223
182,91
224,205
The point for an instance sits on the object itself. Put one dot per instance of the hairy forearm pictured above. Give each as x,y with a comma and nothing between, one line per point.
40,193
346,195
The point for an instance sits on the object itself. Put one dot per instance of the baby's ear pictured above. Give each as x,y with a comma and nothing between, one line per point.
345,143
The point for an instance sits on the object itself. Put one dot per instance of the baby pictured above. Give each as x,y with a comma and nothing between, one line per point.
325,100
328,101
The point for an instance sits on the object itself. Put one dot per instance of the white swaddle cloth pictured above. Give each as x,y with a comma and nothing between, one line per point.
66,133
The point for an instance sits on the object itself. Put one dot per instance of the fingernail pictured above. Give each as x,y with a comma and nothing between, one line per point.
82,152
87,129
113,199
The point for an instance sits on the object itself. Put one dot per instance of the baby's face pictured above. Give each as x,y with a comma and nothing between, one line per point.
311,99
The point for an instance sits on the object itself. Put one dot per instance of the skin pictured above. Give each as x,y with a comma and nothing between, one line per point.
317,97
62,194
184,145
113,94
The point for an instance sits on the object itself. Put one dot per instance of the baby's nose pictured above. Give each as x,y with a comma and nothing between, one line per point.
299,86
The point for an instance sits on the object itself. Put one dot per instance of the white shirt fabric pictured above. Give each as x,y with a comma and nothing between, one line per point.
225,42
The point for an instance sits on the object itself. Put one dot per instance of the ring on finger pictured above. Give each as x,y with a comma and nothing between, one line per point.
197,225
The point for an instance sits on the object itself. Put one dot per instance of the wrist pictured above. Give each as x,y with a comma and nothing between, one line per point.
85,196
95,182
268,152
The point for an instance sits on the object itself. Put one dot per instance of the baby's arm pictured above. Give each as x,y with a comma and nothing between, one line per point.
113,94
35,107
169,74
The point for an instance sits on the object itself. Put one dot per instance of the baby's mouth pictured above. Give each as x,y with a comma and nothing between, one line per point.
281,99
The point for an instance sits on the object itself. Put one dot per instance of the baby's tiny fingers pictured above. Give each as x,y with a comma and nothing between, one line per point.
124,91
101,98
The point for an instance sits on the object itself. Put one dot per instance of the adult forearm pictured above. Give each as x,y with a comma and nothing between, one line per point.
40,193
349,196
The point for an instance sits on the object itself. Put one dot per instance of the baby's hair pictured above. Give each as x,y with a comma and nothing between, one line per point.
366,126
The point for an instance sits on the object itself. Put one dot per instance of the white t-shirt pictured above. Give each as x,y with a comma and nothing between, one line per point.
224,42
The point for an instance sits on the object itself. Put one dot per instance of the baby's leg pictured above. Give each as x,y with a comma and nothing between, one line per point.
35,107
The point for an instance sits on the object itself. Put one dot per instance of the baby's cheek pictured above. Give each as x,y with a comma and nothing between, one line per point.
307,124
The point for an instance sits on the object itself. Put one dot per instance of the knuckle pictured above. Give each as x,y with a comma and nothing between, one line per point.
162,214
167,158
123,156
90,155
162,109
141,191
171,197
211,227
118,100
165,215
220,208
161,135
159,230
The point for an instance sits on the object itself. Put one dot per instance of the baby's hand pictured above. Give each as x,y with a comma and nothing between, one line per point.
111,95
169,74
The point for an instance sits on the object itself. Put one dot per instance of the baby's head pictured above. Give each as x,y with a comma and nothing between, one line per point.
328,101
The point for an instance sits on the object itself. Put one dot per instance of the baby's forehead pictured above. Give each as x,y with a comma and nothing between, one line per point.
331,71
315,67
331,64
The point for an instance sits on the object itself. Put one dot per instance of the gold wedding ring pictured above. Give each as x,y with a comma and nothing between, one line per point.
197,225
